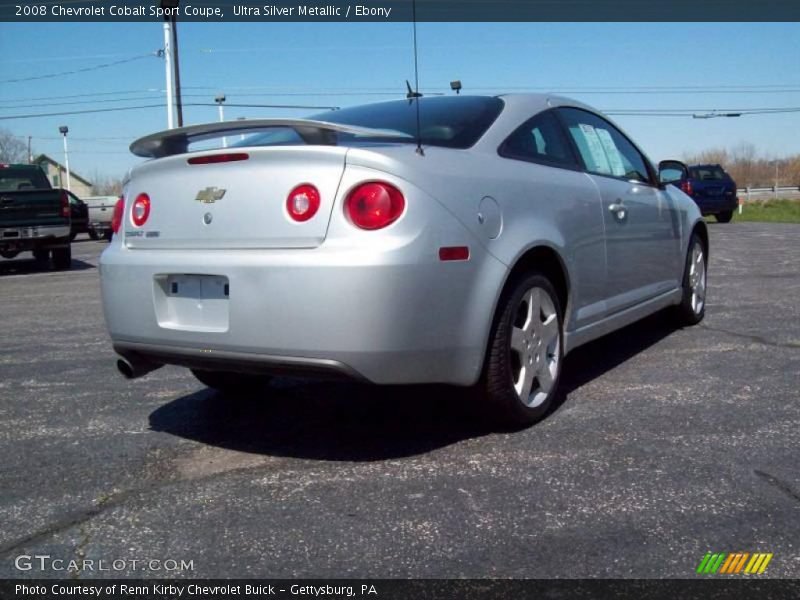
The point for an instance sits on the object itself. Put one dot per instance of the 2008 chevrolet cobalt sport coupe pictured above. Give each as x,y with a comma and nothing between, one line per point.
476,248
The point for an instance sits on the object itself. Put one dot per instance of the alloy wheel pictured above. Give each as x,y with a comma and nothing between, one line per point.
535,347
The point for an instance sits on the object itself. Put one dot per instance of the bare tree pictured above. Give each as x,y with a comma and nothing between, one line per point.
712,156
106,186
12,149
744,157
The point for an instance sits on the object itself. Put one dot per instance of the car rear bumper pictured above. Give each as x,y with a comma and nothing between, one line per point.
32,237
391,316
718,204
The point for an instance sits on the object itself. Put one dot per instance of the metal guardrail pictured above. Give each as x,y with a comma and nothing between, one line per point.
785,191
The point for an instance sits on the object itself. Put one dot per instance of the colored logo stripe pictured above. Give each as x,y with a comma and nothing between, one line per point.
725,563
758,563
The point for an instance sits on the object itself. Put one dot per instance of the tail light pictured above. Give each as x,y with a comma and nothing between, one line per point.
65,212
686,187
302,202
374,205
140,210
119,209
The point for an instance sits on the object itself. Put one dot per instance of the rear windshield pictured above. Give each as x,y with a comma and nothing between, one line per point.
14,179
452,122
707,173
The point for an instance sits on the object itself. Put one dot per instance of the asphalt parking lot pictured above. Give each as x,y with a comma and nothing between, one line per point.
669,443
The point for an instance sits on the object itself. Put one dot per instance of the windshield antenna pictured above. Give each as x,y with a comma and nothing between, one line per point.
415,95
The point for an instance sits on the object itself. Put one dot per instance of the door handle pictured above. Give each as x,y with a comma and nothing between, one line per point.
619,210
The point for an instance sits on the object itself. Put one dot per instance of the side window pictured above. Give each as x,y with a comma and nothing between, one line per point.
540,139
603,148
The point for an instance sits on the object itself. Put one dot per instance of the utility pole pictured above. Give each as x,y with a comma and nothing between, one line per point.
219,100
776,179
168,69
172,5
63,130
30,156
178,101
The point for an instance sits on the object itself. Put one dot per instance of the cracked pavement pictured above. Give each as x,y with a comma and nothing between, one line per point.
668,443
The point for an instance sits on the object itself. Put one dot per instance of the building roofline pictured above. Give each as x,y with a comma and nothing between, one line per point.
45,158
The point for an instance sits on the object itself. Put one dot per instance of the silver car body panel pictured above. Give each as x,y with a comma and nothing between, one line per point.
379,304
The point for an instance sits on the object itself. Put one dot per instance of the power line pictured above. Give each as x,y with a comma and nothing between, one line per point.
143,106
390,91
691,110
691,114
72,102
84,95
84,70
80,139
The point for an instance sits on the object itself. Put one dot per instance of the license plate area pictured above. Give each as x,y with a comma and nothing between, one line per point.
21,233
192,302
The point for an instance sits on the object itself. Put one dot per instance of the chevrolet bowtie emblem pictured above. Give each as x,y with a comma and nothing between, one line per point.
210,195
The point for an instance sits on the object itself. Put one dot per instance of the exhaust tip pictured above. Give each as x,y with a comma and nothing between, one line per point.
132,369
126,368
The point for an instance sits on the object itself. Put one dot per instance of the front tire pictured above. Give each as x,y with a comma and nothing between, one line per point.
229,382
724,217
526,351
93,235
692,308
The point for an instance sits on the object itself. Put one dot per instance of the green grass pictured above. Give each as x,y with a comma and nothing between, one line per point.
770,211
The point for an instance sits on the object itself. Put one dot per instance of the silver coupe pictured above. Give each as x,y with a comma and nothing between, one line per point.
465,240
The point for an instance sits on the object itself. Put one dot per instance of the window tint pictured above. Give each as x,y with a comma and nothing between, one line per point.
603,148
539,140
277,136
453,122
709,173
22,178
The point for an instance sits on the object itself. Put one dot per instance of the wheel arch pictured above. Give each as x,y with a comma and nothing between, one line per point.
548,261
539,257
701,229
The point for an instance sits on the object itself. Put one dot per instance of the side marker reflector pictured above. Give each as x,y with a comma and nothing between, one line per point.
454,253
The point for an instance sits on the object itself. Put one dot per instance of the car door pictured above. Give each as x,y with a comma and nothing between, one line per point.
642,225
553,194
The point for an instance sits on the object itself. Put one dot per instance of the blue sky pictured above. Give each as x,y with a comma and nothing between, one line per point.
338,63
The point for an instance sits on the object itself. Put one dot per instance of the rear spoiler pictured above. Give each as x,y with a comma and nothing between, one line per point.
176,141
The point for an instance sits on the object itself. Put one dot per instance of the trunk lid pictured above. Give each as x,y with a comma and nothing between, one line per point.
236,204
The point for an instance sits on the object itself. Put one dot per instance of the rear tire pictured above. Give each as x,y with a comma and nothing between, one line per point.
724,217
526,351
41,256
93,235
692,308
62,258
108,235
229,382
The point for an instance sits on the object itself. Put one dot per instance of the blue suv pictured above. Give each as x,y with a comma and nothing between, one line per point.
712,189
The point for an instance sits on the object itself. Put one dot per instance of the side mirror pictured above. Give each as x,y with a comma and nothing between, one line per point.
670,171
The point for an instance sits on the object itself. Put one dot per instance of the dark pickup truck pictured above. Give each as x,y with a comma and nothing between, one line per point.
33,216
